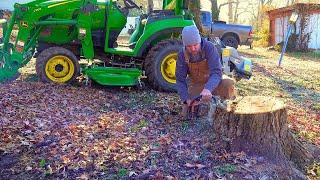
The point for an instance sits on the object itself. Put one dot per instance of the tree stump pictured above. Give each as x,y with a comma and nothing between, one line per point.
258,125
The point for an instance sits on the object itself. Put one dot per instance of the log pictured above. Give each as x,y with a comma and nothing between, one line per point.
258,126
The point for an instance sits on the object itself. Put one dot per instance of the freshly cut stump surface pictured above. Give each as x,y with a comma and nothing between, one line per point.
258,126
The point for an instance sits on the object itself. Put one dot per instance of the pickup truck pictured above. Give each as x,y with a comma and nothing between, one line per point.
230,34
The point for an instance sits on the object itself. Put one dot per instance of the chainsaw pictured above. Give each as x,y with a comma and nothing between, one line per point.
214,103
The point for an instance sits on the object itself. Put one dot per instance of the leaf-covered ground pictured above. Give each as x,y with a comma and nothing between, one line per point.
69,132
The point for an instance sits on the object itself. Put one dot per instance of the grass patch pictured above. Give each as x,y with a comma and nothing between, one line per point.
313,171
122,172
225,169
184,127
316,107
306,55
141,124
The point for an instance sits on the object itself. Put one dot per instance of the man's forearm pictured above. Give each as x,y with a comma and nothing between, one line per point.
213,82
182,90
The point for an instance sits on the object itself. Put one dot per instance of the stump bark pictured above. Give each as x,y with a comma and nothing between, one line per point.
258,125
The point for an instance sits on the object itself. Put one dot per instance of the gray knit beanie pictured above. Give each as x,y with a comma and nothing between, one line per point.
190,35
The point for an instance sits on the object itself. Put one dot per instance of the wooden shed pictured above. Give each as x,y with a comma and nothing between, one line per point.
279,23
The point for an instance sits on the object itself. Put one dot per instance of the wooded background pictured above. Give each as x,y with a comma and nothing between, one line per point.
250,12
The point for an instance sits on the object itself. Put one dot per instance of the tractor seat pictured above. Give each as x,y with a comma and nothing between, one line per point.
138,31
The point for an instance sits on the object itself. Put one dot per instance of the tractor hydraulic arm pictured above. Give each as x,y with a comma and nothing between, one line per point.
28,21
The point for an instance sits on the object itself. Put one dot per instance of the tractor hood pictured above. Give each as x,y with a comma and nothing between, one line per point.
44,4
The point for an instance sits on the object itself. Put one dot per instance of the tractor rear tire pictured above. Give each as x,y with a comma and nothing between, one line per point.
57,65
160,65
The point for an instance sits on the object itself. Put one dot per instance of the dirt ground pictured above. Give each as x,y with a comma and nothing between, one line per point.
78,132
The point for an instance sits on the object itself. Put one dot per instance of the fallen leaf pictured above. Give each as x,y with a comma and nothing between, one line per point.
170,177
190,165
132,173
65,160
83,177
200,166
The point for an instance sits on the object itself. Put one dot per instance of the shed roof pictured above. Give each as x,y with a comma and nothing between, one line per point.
296,6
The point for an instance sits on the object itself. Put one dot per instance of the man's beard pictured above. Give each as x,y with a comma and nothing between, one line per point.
196,56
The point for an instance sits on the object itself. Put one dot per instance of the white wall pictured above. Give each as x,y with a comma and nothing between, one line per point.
281,27
314,28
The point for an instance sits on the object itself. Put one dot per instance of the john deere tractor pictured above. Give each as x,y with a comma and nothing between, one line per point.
61,32
58,33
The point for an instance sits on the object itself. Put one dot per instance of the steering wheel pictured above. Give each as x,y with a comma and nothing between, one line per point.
130,4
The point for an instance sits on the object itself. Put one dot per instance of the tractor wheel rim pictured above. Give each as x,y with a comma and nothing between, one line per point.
168,67
59,69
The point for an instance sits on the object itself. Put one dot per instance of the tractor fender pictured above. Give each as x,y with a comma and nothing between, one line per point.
146,46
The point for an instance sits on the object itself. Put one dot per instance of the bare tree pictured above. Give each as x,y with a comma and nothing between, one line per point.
194,7
236,13
150,6
246,8
229,3
230,11
233,13
261,4
290,2
265,2
215,11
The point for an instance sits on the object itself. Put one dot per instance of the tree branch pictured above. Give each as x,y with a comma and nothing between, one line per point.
223,4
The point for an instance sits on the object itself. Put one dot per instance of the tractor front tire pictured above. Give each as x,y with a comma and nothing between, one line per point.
57,65
160,65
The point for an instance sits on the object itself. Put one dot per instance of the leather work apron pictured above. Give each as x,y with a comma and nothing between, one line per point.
199,74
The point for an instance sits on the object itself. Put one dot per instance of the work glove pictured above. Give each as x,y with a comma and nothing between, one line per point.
206,95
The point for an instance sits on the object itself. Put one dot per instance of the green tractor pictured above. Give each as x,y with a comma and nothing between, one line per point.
61,32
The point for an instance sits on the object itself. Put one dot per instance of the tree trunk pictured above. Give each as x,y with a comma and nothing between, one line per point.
215,10
150,6
230,11
194,7
258,126
235,16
